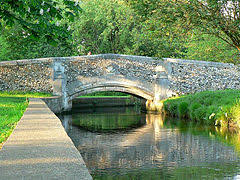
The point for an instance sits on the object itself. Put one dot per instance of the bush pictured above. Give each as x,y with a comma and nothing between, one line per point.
173,109
211,114
200,114
209,107
183,109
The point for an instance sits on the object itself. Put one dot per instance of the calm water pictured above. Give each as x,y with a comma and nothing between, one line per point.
143,146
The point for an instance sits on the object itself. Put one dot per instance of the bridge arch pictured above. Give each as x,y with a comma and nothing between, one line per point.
117,87
141,76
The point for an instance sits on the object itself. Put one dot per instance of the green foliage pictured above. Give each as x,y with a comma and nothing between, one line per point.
18,45
173,109
154,36
209,107
104,27
209,48
200,114
4,48
218,18
198,30
39,18
182,109
156,28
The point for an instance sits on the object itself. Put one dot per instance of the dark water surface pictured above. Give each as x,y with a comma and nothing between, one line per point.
123,143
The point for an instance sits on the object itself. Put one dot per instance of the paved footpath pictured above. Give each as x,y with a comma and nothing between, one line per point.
39,148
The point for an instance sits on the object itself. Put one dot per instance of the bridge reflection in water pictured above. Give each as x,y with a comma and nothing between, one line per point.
152,151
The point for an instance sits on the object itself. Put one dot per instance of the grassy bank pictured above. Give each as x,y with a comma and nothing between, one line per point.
24,94
209,107
12,107
11,110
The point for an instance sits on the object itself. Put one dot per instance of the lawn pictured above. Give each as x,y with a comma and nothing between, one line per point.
12,107
208,107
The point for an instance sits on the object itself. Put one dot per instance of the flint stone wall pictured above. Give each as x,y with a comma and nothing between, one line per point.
26,75
188,76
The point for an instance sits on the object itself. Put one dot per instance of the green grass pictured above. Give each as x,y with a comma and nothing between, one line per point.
24,94
12,107
209,107
11,110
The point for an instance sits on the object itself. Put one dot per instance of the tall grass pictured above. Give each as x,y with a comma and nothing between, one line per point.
209,107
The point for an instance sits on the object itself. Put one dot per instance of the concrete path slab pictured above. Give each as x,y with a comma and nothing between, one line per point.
39,148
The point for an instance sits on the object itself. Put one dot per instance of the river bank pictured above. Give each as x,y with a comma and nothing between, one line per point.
209,107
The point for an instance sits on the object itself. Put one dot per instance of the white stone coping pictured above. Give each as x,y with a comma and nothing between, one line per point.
116,56
196,62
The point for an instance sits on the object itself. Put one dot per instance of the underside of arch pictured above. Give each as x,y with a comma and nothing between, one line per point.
118,88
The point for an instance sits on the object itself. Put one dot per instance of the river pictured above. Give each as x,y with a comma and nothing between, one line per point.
125,143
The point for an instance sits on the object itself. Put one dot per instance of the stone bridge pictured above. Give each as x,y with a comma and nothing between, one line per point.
150,78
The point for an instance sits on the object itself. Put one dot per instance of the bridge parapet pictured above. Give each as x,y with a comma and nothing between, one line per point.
190,76
26,75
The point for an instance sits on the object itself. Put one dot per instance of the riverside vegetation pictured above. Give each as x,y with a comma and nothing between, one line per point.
12,107
210,107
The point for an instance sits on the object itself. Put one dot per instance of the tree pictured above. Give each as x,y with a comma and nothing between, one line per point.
174,21
15,44
104,26
41,17
156,36
213,17
209,48
4,48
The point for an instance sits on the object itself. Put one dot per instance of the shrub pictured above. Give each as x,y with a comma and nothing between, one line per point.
173,109
211,114
200,113
210,107
183,109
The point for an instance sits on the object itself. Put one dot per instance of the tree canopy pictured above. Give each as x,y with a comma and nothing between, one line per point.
104,27
189,29
39,17
218,18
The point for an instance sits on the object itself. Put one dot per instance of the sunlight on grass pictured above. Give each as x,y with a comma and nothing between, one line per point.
11,110
12,107
24,94
208,107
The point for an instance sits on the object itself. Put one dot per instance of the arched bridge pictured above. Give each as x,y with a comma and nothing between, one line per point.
141,76
150,78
